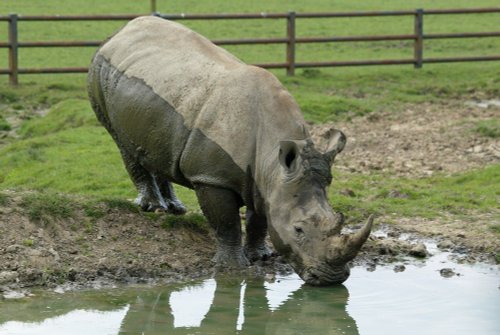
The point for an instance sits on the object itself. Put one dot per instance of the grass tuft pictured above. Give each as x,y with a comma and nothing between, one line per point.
8,96
71,113
488,128
115,203
94,211
28,243
193,221
42,207
4,125
495,228
4,199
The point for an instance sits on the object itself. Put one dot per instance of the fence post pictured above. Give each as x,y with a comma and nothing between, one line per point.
13,49
153,6
290,48
419,38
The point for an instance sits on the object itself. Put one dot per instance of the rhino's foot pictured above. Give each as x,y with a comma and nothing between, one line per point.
262,252
233,259
176,207
149,205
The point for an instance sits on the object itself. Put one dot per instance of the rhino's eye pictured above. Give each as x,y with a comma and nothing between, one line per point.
299,230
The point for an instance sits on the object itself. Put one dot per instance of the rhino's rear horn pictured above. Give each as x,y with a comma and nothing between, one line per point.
338,223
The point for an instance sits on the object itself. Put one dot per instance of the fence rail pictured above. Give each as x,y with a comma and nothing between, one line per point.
290,40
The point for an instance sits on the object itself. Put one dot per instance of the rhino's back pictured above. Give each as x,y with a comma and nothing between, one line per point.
180,65
213,106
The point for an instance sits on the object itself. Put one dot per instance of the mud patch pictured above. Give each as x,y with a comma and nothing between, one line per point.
418,141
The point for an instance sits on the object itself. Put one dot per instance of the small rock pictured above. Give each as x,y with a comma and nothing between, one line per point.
447,273
72,274
460,250
8,276
270,277
13,248
371,267
36,252
59,290
446,245
15,294
397,194
399,268
348,192
394,234
384,250
418,250
55,254
477,148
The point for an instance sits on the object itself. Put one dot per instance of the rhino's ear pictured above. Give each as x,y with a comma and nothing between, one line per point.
336,141
289,155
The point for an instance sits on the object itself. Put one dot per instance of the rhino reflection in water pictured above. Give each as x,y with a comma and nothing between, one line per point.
185,111
229,305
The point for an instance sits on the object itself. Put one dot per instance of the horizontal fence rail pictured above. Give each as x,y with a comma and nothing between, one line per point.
290,40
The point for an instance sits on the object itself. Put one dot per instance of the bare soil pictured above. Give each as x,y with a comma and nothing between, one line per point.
417,141
127,247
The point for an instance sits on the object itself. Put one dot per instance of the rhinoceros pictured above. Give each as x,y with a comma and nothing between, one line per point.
183,110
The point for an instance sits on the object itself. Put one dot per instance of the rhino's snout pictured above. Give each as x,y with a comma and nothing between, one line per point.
333,268
326,275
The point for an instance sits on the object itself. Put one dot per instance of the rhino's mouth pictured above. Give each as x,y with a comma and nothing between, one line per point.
325,275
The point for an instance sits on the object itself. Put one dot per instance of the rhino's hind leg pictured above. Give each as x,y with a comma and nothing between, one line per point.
221,208
255,244
149,198
174,205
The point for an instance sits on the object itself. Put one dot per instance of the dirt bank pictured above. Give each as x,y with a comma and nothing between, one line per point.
126,246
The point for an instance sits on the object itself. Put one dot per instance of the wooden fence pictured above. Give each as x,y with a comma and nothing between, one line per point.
290,40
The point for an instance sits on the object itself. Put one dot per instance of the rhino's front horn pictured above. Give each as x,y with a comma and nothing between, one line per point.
346,247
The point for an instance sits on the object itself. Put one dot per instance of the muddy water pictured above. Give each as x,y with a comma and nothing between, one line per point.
419,299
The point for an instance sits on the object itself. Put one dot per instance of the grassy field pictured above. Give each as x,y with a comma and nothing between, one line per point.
67,151
323,94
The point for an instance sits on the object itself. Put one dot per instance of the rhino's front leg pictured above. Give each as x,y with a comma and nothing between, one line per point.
255,245
221,208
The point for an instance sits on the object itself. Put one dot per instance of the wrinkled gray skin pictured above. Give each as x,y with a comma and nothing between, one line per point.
182,110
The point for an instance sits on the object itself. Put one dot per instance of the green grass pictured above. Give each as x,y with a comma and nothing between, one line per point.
325,94
62,155
430,197
93,210
67,151
4,125
193,221
28,243
495,228
4,199
68,114
489,128
121,204
44,206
